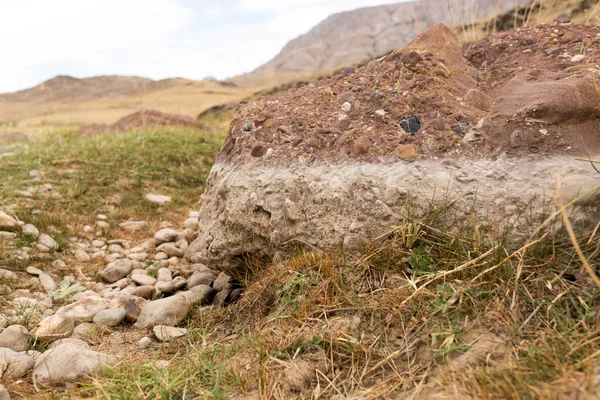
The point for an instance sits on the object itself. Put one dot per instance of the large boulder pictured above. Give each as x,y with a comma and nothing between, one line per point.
483,130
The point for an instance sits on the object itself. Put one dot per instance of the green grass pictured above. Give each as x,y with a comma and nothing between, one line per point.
108,174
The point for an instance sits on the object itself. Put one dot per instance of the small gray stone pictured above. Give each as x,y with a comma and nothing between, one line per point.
157,198
169,311
110,317
134,226
143,279
165,333
220,299
164,275
170,249
15,337
7,275
69,363
247,127
7,222
165,235
14,365
83,310
200,278
70,341
31,230
222,280
201,294
48,242
82,256
53,327
191,223
145,292
144,343
171,286
117,269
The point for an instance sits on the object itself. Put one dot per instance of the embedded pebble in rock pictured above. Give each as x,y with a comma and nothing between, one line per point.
53,327
191,223
15,337
171,286
165,235
47,242
170,249
116,270
144,343
69,363
110,317
82,256
406,152
30,230
7,222
134,226
346,107
131,304
200,278
7,275
169,311
143,279
166,333
83,310
157,198
14,365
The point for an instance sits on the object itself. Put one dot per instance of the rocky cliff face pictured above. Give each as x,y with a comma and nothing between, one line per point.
353,36
483,130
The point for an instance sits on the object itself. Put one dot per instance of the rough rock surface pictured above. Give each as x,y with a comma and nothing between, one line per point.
69,363
344,159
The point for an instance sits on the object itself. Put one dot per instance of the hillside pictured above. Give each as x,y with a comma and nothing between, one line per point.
351,37
104,99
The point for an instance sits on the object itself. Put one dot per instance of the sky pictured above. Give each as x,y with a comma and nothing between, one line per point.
157,39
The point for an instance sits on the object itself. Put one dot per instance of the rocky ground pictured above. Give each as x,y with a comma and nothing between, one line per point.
104,292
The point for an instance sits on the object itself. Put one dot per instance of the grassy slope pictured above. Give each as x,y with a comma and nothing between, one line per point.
422,313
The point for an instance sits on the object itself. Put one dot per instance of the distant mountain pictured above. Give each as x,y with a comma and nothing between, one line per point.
353,36
105,99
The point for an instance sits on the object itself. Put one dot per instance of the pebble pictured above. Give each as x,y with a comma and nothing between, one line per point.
110,317
69,363
165,235
157,198
144,343
102,224
31,230
47,242
165,333
164,275
130,303
170,249
134,226
15,337
346,107
83,310
14,365
143,280
222,281
116,270
82,256
191,223
169,311
578,58
7,275
7,222
58,264
53,327
411,124
4,395
200,278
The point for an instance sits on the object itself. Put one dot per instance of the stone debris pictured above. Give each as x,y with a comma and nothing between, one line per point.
165,333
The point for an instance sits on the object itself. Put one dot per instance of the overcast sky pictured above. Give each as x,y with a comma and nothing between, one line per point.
40,39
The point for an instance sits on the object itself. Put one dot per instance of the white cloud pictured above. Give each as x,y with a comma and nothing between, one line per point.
152,38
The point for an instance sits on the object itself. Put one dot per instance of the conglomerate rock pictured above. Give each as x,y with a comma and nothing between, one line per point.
485,128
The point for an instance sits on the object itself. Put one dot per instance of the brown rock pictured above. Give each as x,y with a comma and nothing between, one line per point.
438,124
361,146
406,152
257,151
